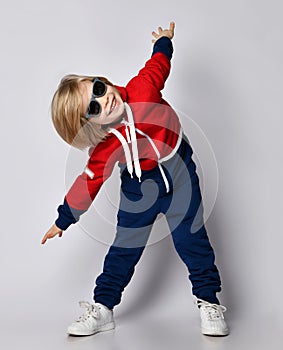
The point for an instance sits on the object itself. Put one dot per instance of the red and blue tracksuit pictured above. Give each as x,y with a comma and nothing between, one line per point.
158,175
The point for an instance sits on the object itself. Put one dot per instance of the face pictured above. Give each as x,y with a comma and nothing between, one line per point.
112,106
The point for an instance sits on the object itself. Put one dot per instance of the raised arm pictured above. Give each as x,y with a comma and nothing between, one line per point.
151,78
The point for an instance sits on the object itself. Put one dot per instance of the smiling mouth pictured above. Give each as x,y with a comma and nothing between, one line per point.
113,105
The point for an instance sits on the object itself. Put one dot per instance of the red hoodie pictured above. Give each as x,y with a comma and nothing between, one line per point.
149,119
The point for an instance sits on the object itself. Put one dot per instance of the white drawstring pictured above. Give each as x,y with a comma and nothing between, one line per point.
133,136
158,157
127,133
132,139
126,150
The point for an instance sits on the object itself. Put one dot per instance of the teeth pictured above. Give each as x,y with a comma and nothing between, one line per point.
113,105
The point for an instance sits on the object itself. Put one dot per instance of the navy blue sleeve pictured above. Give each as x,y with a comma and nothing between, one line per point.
67,216
163,45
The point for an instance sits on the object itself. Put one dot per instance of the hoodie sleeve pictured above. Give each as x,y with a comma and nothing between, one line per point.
163,45
147,85
87,185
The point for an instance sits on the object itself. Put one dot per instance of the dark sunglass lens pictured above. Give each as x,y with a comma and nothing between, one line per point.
94,108
99,88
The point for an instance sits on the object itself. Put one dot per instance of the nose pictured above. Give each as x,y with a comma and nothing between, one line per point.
102,100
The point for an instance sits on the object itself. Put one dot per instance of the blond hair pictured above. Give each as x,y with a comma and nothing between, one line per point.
67,117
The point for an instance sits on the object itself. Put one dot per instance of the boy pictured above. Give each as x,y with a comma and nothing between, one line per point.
137,128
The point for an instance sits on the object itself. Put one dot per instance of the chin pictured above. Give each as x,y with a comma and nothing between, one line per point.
116,118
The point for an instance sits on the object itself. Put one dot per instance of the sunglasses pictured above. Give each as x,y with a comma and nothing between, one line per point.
98,90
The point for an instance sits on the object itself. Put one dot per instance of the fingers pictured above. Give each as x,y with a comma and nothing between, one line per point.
155,34
52,233
44,239
164,32
171,28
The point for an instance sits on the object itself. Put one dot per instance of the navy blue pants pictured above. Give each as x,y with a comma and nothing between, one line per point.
140,204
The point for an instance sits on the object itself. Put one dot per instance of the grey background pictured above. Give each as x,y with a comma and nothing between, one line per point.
227,76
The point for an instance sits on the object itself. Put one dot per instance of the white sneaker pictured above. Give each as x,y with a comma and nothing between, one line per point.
97,318
212,318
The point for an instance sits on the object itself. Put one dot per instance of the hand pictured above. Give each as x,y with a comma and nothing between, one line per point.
52,232
164,32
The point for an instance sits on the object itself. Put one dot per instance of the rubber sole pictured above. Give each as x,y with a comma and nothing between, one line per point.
209,333
107,327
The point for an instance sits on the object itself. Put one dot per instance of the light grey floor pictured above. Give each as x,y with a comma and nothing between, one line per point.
156,312
139,332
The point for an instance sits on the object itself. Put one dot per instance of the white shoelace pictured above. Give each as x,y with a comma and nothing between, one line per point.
212,311
91,311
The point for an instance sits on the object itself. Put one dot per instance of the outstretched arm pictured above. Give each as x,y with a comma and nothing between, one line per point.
151,78
86,186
